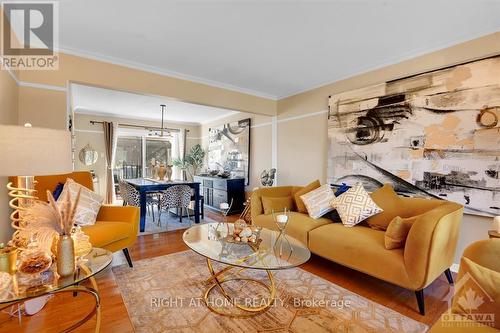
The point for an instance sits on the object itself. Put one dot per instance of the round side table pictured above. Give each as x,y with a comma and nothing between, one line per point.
49,282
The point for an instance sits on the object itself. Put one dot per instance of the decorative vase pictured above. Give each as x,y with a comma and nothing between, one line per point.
65,256
161,172
169,172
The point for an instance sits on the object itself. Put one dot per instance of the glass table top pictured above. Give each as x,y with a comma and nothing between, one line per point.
22,286
269,255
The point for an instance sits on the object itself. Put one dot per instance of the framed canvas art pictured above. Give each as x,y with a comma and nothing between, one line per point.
436,134
229,148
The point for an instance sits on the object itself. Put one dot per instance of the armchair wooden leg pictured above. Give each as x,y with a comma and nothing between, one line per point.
127,256
449,277
420,301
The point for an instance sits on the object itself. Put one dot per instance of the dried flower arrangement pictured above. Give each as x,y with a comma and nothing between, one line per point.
44,221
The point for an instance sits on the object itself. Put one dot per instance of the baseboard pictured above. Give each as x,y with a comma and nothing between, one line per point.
454,268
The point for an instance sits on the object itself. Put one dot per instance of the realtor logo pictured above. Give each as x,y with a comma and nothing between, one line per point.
475,304
30,35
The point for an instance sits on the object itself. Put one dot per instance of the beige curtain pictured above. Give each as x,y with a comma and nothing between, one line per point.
110,149
182,149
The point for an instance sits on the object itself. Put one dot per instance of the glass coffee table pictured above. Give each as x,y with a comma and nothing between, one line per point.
21,288
267,257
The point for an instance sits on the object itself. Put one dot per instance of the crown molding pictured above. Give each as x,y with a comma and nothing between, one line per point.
163,72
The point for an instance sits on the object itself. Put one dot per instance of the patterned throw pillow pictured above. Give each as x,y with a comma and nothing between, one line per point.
88,206
318,201
355,205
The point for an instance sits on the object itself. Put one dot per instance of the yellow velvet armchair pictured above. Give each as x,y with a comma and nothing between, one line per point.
478,281
116,227
429,250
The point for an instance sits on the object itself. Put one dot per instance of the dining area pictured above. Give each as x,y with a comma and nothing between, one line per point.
159,200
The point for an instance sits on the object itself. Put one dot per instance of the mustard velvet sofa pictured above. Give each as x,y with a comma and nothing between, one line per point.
428,252
116,227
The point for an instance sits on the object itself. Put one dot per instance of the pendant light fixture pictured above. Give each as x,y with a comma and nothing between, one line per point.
164,132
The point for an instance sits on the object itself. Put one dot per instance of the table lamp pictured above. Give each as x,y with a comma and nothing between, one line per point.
26,152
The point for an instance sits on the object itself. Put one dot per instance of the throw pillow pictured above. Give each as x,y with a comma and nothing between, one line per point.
57,191
478,283
355,205
277,204
318,201
397,231
89,204
301,207
342,188
389,201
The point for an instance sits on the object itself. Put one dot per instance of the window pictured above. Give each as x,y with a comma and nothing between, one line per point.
128,158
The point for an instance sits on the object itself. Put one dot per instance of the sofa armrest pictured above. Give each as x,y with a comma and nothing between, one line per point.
431,244
127,214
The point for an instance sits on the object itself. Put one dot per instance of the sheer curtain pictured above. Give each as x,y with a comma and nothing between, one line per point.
178,152
110,138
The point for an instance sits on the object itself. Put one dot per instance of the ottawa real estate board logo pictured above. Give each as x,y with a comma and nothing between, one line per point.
30,35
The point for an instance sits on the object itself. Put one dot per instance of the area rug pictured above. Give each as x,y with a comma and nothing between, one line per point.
169,222
164,294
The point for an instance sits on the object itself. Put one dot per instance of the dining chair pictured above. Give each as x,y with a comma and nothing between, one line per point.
177,196
131,197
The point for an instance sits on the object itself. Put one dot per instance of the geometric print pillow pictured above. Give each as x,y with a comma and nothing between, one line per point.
318,201
88,206
355,205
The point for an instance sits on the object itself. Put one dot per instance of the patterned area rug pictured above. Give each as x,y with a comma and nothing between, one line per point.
169,222
164,294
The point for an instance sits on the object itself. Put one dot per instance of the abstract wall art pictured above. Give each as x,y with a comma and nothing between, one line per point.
229,148
435,134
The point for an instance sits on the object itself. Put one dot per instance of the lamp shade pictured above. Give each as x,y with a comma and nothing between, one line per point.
26,151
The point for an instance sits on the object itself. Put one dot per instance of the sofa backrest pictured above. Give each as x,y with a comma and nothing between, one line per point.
275,192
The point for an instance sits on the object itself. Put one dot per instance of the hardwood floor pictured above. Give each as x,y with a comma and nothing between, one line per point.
63,310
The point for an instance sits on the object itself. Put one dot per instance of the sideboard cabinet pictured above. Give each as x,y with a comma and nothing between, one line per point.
216,190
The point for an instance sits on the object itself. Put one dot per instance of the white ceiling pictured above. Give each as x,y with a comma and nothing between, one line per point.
105,102
268,48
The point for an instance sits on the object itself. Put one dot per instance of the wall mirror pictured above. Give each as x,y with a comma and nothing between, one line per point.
88,155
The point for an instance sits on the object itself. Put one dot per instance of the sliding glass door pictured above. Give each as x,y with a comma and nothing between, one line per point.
158,151
136,156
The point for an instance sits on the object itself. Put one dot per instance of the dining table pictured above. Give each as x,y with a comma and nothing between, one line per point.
147,185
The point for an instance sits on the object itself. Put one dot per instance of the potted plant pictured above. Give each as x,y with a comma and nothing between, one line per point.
193,161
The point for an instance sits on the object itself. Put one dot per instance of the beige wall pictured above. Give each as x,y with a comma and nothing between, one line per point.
8,116
88,71
302,143
260,143
86,133
42,107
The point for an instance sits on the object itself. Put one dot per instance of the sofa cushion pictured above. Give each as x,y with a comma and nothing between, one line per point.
277,204
103,233
397,231
387,199
360,248
318,201
355,205
301,207
298,226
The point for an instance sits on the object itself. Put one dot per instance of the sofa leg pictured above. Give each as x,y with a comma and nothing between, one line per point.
127,256
420,301
449,277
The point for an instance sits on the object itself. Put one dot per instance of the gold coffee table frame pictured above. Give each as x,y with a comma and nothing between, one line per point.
238,257
219,281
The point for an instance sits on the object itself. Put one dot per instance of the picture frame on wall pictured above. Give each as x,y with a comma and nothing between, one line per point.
229,148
